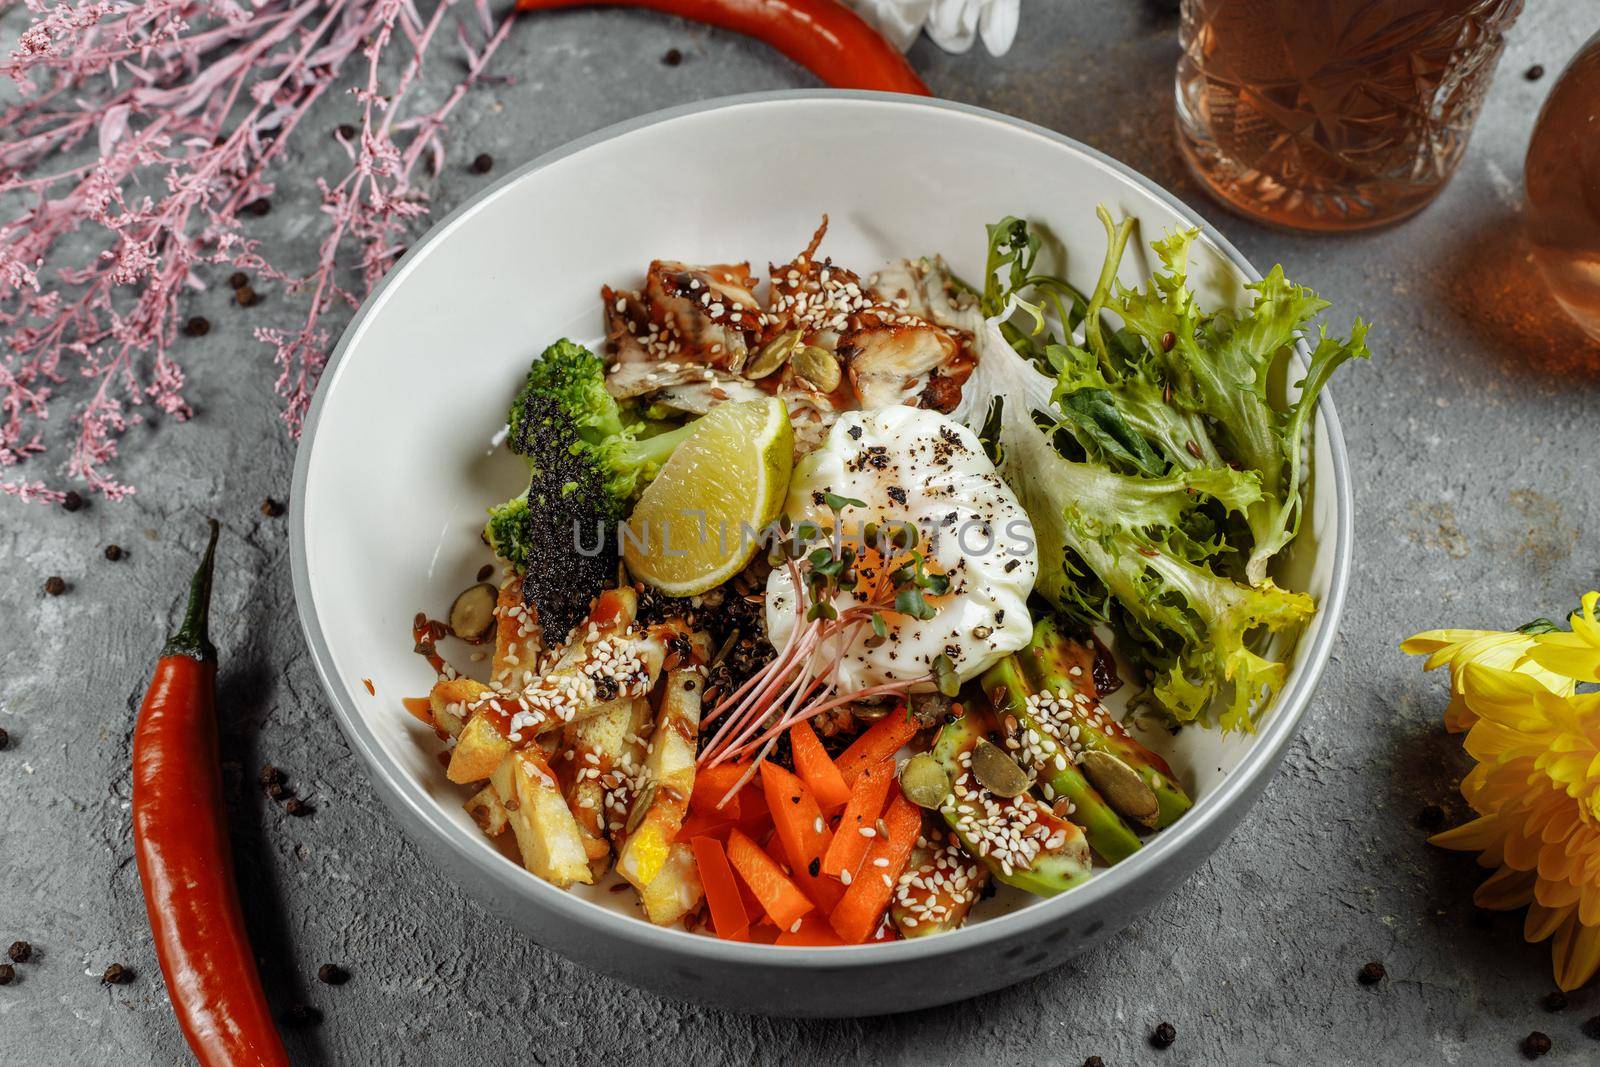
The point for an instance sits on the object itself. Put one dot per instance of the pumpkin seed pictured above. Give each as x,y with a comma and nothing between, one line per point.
997,772
774,354
817,367
924,782
641,804
1121,785
472,615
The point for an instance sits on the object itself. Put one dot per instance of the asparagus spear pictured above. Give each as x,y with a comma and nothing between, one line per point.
938,888
1035,740
1054,664
1014,834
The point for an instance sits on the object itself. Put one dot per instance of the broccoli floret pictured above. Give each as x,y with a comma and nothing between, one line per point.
586,464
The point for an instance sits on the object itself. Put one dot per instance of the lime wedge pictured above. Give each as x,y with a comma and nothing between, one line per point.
699,522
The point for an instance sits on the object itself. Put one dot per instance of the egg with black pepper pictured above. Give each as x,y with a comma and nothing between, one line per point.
877,471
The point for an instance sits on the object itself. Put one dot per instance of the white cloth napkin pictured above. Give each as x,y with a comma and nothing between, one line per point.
953,24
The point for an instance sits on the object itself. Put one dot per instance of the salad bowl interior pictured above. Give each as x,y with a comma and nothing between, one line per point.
403,452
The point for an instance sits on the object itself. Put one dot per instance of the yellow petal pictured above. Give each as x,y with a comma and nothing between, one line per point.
1521,851
1463,648
1489,741
1575,654
1430,641
1562,822
1576,955
1505,889
1478,834
1541,921
1589,906
1555,895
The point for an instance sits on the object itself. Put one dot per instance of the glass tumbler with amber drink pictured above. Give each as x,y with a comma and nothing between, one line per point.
1333,114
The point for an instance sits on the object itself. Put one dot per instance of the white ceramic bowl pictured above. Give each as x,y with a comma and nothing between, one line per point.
398,462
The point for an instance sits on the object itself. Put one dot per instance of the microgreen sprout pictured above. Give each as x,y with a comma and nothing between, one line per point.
833,603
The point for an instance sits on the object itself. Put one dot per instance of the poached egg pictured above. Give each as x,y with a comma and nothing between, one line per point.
918,466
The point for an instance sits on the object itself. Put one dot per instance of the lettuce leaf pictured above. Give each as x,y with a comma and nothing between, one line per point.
1159,475
1219,365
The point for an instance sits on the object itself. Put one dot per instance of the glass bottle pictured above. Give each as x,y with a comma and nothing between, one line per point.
1562,178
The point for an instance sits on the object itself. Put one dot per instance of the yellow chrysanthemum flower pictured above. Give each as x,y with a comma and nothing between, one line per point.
1536,786
1575,654
1491,648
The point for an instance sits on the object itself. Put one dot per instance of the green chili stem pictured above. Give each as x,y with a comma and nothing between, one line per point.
192,638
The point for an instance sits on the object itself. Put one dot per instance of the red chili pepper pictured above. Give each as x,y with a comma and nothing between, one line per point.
180,836
824,36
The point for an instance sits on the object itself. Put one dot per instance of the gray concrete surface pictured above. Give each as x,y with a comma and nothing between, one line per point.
1472,438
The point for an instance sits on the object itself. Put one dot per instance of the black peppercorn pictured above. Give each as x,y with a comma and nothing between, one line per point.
238,280
259,207
55,585
296,807
484,572
114,553
1372,973
5,739
1094,1061
483,163
20,952
332,974
271,508
1164,1035
1556,1001
197,326
7,972
347,131
673,57
117,974
71,501
245,296
1536,1044
1534,73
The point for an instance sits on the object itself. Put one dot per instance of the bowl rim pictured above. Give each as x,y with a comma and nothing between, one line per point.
396,784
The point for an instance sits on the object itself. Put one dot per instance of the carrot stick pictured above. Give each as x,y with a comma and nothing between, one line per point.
882,741
754,819
821,774
814,931
859,913
763,933
866,804
802,835
728,916
711,784
781,898
706,824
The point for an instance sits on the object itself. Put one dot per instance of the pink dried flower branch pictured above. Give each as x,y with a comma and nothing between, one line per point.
145,128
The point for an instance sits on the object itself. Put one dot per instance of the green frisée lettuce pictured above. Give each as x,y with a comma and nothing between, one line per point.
1138,431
